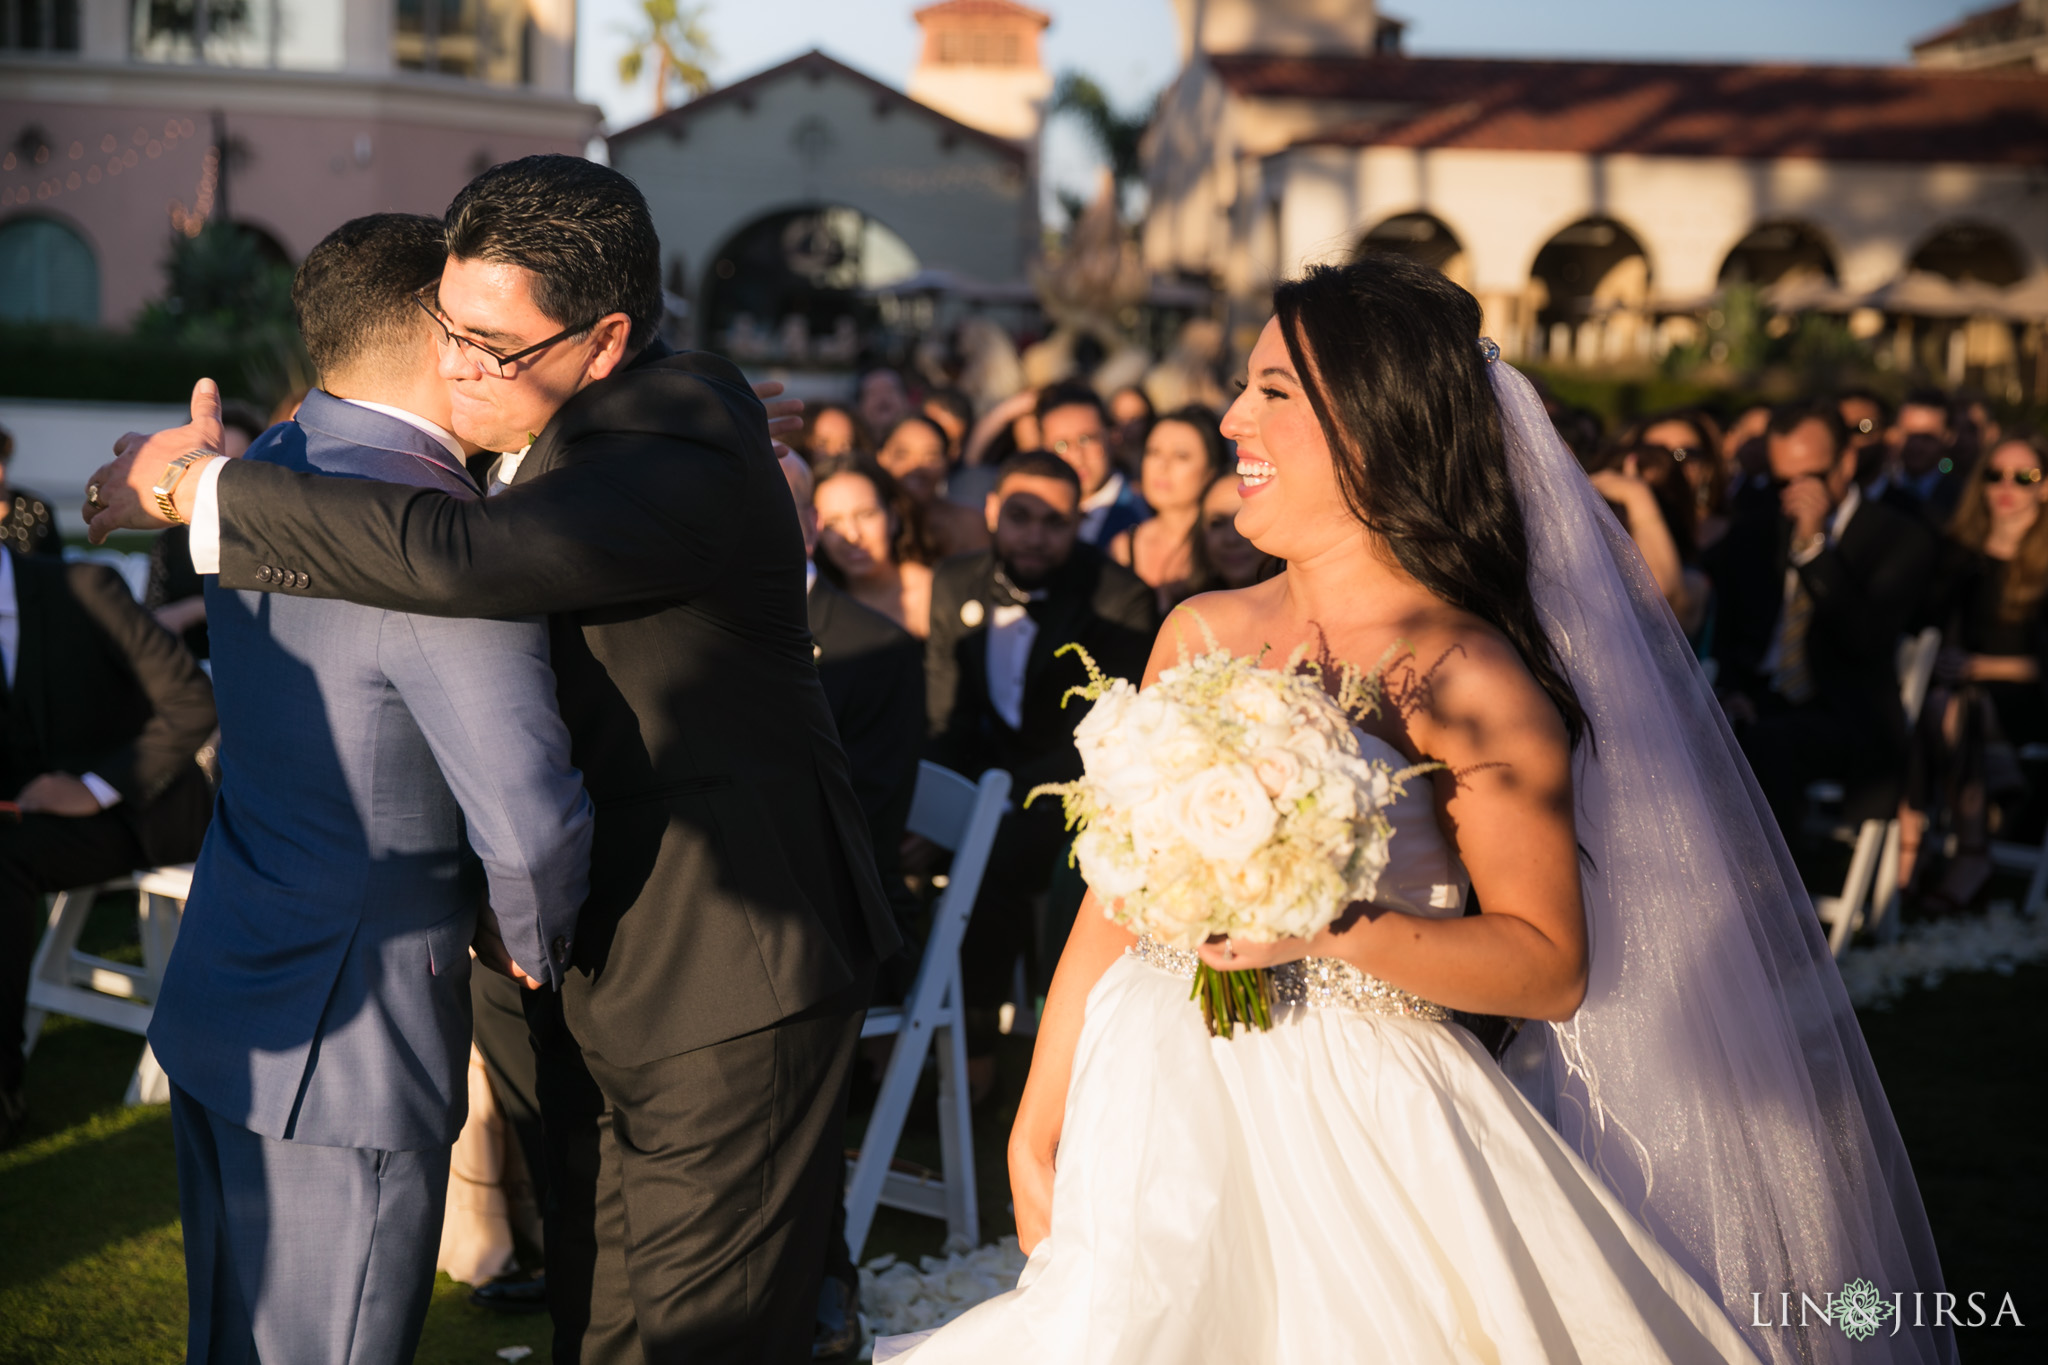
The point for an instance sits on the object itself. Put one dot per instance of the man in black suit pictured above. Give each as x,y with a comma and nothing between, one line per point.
995,684
1814,595
1926,473
692,1070
103,715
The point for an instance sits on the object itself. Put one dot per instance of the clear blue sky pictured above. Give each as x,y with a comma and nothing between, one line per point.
1129,46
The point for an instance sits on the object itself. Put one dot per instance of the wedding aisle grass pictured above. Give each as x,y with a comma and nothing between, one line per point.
91,1269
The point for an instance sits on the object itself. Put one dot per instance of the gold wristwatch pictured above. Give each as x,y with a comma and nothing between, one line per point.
168,484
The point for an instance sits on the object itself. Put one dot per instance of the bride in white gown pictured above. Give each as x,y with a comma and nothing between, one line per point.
1697,1124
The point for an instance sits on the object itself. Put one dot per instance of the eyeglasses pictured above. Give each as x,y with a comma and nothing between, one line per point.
2025,477
482,356
1092,439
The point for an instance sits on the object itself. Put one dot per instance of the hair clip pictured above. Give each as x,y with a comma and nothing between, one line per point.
1488,351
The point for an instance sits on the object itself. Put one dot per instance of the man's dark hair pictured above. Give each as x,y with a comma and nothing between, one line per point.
1071,395
1927,398
582,228
1787,417
352,294
1859,394
246,417
1038,464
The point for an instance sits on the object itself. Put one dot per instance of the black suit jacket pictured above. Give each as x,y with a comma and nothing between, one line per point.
1866,588
873,671
732,882
1093,602
100,687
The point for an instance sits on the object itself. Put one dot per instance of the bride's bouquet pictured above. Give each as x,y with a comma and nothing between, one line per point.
1229,798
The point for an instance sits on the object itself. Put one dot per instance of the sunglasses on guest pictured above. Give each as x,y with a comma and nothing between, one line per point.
2025,477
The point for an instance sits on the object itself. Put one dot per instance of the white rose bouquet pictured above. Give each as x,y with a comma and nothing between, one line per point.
1231,799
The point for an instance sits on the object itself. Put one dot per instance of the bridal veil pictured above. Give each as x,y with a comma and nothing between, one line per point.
1715,1076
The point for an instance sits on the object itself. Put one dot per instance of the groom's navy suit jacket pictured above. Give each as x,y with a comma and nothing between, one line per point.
319,991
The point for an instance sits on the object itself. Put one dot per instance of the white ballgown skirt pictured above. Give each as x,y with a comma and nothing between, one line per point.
1349,1187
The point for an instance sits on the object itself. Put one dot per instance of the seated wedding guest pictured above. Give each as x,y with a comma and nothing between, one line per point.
873,673
1694,440
1814,594
1002,431
1223,557
881,399
954,413
1184,453
174,592
1923,476
872,543
1131,416
995,689
1746,462
1074,424
27,521
102,720
831,430
1657,506
914,454
1988,699
1867,417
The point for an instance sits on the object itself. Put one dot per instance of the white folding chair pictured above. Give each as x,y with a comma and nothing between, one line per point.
961,816
1873,881
64,980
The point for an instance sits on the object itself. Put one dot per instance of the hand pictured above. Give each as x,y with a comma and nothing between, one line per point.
180,616
123,500
1031,1176
1807,503
1226,955
58,794
786,417
1624,486
489,947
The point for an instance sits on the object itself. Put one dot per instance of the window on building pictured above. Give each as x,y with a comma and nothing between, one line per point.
293,34
47,273
38,25
980,47
481,40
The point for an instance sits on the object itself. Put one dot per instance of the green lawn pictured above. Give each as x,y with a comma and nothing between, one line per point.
91,1269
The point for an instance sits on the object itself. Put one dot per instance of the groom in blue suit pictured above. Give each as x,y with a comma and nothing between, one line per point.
385,778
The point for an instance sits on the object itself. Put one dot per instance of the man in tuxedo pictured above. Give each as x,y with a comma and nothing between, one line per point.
1814,596
692,1068
1924,476
995,683
315,1017
1074,424
102,718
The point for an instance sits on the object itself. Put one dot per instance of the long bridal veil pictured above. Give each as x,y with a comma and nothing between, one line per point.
1715,1076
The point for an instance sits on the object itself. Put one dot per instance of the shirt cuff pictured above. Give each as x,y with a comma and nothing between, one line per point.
102,790
206,519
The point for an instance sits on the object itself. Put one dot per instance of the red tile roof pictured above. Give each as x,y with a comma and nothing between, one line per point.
1650,109
982,9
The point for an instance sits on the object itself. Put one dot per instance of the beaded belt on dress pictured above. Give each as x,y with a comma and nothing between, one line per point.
1309,981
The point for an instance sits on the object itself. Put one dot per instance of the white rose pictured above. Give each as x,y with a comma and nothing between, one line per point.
1154,828
1312,744
1282,773
1224,813
1258,702
1109,868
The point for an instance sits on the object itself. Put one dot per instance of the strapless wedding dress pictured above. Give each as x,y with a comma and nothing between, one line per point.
1360,1184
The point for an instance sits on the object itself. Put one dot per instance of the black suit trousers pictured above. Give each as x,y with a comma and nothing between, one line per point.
692,1197
45,853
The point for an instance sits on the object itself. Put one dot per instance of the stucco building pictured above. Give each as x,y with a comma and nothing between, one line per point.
1593,207
122,122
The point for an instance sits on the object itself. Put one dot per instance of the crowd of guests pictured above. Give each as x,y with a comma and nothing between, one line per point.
1799,546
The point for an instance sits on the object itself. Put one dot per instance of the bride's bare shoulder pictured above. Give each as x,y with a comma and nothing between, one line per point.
1464,689
1229,616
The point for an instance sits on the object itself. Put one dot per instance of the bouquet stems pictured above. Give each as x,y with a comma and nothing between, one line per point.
1230,999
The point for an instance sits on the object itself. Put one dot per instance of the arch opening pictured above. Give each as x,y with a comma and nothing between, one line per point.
1423,238
1779,251
1972,252
48,273
792,288
1590,295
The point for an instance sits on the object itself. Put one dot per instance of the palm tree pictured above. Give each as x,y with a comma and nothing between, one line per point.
674,37
1117,135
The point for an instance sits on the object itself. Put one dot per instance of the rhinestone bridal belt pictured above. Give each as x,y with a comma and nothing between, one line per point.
1322,981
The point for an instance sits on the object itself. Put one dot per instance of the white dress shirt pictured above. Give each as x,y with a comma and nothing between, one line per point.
1011,633
205,517
1095,507
10,655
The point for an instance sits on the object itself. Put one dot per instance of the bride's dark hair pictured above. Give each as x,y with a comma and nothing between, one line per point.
1388,355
